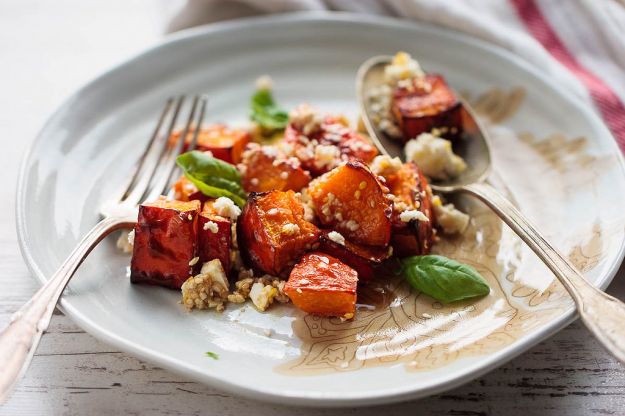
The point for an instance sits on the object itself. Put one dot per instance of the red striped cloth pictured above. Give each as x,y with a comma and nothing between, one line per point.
606,100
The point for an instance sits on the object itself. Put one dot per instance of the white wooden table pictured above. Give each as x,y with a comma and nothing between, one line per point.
47,49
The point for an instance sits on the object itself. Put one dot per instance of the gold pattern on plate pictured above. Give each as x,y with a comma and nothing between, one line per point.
396,325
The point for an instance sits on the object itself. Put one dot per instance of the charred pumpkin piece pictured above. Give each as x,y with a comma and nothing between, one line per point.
351,200
322,285
272,232
332,144
214,237
263,169
165,243
411,191
364,259
225,143
425,105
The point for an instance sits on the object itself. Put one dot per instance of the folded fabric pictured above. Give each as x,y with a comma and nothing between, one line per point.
580,44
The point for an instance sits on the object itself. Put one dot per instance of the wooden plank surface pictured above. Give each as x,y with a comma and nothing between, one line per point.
50,48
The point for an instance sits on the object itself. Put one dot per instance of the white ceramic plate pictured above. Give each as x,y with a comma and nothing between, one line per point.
564,172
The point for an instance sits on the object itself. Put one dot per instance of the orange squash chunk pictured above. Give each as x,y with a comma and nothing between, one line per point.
214,237
411,191
264,168
164,243
339,142
426,105
272,232
364,259
224,142
185,190
321,284
351,200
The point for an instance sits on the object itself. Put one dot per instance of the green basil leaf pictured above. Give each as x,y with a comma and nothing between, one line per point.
266,112
444,279
212,355
213,177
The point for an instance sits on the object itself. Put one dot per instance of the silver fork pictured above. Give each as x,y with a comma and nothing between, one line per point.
151,178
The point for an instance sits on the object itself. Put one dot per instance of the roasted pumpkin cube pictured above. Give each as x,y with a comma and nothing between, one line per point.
272,232
185,190
321,284
413,215
351,200
364,259
328,146
165,243
265,168
223,142
425,105
214,237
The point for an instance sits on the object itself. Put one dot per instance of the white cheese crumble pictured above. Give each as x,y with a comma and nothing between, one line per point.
413,214
194,261
289,229
402,67
226,208
126,241
212,226
326,155
336,237
306,119
385,165
208,289
264,82
449,218
262,295
434,156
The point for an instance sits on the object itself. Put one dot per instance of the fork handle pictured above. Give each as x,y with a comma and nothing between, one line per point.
602,314
19,340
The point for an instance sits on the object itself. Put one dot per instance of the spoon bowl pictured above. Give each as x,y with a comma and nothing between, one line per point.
472,146
603,314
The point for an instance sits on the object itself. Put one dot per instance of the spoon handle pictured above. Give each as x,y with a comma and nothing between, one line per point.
603,314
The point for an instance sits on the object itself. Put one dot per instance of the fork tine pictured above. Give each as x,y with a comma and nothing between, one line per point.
198,123
135,196
140,163
168,164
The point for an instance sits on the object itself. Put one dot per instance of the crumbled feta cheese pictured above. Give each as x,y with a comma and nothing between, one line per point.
262,295
284,175
289,229
449,218
212,226
306,119
326,155
126,241
385,165
434,156
264,82
402,67
209,289
226,208
336,237
254,181
352,225
413,214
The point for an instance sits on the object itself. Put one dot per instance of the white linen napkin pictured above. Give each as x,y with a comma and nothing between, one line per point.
578,43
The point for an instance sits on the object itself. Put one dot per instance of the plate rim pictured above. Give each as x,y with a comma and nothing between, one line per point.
296,397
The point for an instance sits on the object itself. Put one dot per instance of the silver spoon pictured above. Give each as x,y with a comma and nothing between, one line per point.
603,314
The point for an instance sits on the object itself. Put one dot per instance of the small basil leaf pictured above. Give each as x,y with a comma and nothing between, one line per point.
444,279
266,112
213,177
